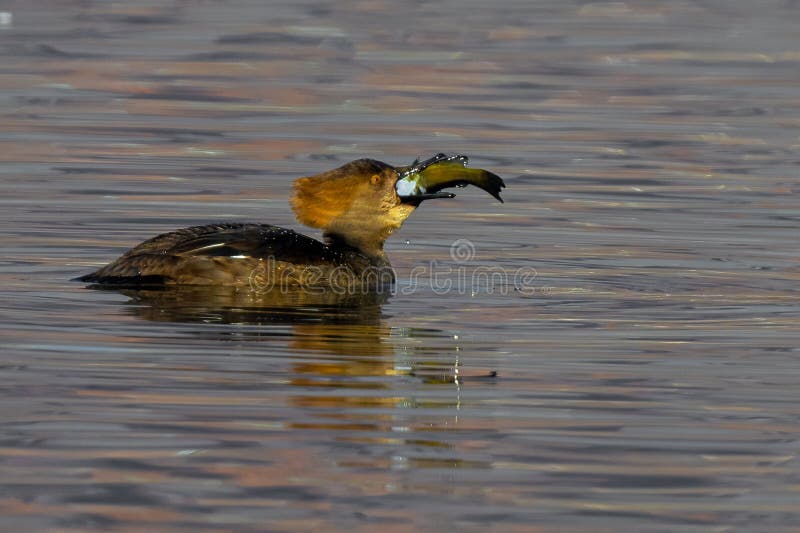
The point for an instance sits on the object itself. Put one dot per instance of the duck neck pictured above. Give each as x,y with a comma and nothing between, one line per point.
365,244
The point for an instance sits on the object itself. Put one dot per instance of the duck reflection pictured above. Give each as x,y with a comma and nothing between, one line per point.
346,364
232,305
345,331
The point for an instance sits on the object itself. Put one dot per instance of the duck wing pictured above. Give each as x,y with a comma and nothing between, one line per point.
159,259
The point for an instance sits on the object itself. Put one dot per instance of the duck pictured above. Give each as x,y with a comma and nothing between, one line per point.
357,206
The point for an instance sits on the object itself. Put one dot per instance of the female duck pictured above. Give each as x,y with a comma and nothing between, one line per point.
357,205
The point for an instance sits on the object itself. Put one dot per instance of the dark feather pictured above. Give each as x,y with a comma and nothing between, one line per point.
169,252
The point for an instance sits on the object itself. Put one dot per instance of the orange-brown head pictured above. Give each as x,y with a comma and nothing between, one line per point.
358,203
355,203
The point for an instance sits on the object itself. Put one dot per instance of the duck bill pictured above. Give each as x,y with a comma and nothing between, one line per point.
416,199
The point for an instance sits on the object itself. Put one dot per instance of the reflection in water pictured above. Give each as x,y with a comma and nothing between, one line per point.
232,305
344,353
323,321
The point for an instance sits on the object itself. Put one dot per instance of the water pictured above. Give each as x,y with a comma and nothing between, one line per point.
639,373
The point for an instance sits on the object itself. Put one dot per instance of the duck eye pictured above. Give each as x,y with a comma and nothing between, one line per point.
375,179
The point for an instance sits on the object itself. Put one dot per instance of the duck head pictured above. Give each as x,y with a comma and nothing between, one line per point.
363,202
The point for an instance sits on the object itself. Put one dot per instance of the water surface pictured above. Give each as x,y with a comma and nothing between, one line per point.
641,376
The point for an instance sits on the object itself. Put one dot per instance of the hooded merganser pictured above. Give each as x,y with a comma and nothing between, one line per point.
357,205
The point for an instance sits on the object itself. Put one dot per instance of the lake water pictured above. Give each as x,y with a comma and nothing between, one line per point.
614,348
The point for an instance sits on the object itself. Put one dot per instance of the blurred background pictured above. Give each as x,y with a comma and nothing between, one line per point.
645,379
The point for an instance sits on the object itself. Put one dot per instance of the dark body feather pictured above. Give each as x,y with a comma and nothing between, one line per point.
258,255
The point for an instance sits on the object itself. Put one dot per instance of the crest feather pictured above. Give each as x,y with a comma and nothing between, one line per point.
317,201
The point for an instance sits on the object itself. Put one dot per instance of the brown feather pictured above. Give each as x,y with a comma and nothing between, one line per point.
317,201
